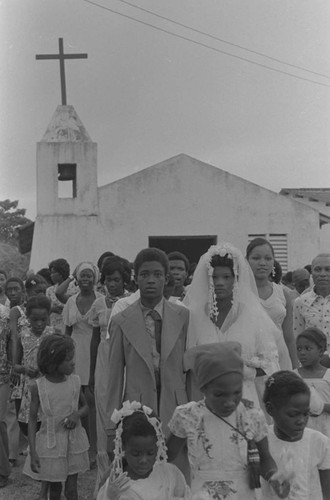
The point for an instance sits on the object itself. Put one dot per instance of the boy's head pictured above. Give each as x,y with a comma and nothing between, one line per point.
15,290
151,270
179,267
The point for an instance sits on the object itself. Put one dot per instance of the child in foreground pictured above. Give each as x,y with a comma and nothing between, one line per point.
140,470
31,335
302,451
221,428
59,450
311,345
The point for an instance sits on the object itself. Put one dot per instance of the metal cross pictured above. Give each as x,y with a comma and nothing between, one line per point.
61,56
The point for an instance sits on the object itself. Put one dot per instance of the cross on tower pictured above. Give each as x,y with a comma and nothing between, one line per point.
61,56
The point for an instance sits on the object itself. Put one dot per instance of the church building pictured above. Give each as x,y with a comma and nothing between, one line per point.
180,204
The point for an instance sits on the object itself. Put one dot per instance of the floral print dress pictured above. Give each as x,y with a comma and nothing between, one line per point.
217,453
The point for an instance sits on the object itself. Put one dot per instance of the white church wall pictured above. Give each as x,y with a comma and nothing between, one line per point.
77,239
183,196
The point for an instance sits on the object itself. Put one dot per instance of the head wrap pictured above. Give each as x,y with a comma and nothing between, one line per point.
87,265
315,335
211,361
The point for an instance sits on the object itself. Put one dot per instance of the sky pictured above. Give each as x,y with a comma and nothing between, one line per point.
145,95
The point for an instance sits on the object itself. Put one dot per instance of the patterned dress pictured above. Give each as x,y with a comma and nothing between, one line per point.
62,452
217,453
56,319
30,343
22,323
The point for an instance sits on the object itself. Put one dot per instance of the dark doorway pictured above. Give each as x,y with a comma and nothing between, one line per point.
191,246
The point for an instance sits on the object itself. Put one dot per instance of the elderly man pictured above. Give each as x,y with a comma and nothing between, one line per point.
313,308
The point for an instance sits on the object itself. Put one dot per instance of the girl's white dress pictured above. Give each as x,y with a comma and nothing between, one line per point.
216,452
62,452
81,334
165,482
275,307
320,423
309,455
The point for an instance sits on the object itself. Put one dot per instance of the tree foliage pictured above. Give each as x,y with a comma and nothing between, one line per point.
11,218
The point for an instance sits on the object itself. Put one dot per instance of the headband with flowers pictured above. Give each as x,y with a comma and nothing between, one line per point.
223,250
117,418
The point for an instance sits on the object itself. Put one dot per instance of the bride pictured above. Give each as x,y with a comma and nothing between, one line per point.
224,306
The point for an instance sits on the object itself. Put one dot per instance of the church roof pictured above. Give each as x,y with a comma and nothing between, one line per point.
66,126
311,194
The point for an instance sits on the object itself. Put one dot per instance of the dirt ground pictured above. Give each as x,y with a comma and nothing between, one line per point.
21,487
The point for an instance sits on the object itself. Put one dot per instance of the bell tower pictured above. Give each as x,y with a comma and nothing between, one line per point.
66,167
68,222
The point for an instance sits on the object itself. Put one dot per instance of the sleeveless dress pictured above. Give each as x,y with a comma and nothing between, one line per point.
275,307
62,452
81,334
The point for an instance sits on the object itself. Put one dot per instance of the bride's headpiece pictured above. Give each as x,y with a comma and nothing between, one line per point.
118,416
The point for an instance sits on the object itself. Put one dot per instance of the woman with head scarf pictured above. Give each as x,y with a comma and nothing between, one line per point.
224,306
76,317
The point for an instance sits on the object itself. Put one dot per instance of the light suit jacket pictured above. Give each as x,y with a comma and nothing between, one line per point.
130,373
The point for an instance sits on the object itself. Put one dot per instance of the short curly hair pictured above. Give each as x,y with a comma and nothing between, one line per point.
52,351
60,266
151,255
281,386
112,264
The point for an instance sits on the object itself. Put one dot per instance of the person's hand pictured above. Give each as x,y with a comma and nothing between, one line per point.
31,372
56,308
71,421
282,489
116,486
35,462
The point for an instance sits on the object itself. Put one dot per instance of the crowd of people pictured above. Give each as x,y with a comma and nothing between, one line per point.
203,382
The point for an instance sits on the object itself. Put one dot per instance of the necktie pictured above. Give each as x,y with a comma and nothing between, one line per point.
158,328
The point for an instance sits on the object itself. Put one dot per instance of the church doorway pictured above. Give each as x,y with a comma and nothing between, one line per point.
191,246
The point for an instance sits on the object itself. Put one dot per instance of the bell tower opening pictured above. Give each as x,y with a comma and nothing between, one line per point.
67,180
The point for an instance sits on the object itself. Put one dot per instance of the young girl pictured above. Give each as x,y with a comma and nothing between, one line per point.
311,345
59,450
221,428
37,312
304,451
140,470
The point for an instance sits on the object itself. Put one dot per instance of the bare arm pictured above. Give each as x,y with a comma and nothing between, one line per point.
174,446
32,427
287,327
325,483
96,337
267,463
14,315
61,290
